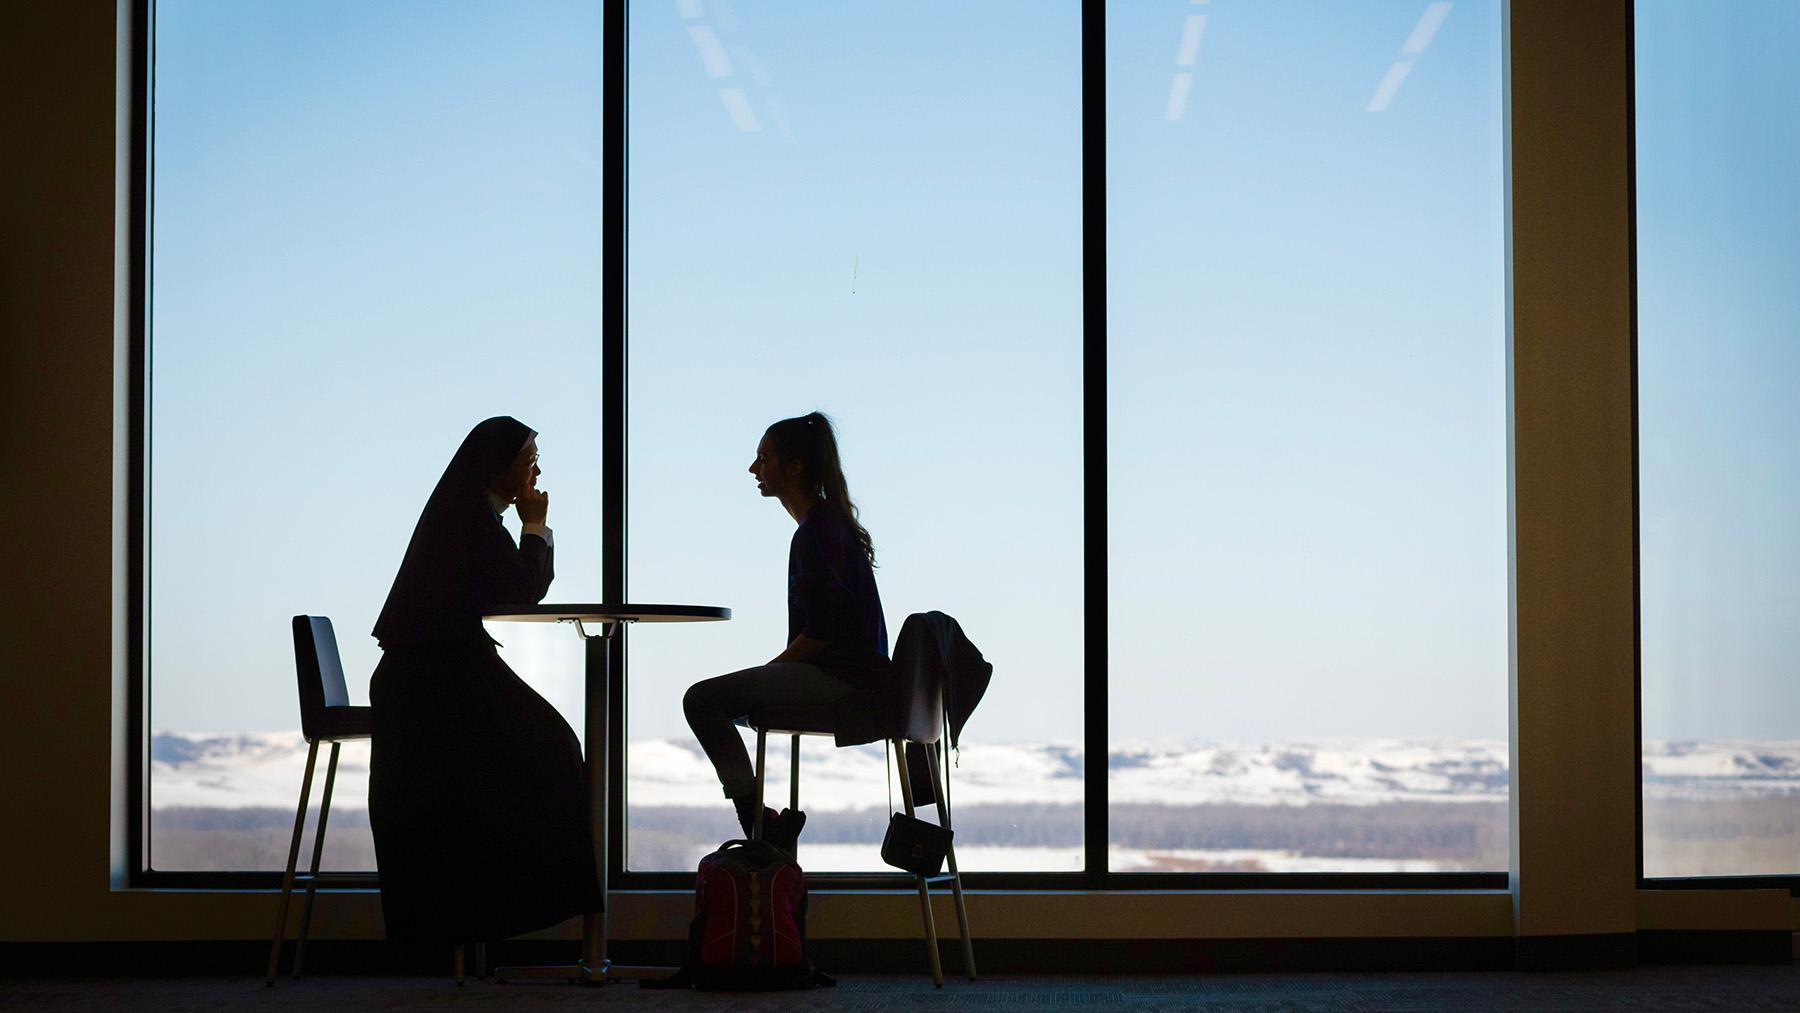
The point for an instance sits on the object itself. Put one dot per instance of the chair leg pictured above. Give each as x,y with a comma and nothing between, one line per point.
794,775
962,911
931,944
459,965
287,879
794,785
762,744
312,882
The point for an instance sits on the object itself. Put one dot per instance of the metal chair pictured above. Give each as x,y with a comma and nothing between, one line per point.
915,714
325,716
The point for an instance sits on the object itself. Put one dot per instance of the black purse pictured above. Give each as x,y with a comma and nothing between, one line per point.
914,845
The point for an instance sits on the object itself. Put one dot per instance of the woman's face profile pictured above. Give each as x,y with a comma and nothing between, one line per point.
521,474
773,475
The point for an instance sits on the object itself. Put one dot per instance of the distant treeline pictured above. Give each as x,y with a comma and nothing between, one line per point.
234,840
1689,837
1474,832
259,818
1471,834
1681,838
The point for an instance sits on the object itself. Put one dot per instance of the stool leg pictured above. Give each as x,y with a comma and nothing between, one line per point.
931,945
480,960
762,743
794,785
962,911
287,879
794,775
459,965
312,882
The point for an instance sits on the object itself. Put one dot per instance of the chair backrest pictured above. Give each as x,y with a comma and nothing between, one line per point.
915,704
320,671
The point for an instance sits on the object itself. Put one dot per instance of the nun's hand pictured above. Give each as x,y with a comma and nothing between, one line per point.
534,505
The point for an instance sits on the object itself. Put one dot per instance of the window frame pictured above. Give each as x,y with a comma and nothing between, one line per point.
1775,881
137,619
614,448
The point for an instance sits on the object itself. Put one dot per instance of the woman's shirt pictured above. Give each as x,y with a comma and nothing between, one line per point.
832,596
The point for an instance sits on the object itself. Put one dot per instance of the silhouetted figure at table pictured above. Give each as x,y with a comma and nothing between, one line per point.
476,795
837,638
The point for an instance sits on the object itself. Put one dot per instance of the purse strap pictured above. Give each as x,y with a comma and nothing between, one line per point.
944,772
943,766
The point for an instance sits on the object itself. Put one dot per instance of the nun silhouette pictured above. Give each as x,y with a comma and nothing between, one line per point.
476,796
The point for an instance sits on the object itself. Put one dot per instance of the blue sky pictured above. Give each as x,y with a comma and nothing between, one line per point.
939,170
1719,367
1305,366
376,224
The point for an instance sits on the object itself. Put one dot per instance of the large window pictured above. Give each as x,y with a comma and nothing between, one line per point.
1306,442
372,226
1718,218
873,210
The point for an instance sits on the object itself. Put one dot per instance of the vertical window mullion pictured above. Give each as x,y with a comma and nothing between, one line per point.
613,415
1093,241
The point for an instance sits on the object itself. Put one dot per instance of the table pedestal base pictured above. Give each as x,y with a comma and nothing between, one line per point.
577,973
583,973
593,968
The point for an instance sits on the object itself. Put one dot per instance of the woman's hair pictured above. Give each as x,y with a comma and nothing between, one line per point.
811,440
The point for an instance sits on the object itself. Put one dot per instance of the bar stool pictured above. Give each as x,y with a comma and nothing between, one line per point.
920,719
325,716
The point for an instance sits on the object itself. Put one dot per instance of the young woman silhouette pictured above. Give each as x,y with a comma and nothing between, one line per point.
836,641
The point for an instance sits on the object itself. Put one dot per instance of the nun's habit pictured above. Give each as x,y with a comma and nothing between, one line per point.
476,795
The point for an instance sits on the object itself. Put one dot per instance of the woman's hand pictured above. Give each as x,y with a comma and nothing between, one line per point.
534,504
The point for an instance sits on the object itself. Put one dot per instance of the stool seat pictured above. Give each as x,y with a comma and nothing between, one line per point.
910,710
797,721
792,720
342,724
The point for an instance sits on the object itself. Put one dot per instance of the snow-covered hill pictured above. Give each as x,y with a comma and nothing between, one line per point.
241,769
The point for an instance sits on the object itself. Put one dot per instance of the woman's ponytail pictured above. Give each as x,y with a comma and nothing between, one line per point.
812,440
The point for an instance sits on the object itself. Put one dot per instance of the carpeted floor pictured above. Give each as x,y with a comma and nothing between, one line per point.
1650,988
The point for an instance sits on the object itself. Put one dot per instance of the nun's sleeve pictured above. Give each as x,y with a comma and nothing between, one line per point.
514,575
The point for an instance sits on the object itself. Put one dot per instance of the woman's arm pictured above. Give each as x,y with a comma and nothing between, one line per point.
507,575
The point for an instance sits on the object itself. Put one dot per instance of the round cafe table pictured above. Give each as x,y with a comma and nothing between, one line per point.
596,624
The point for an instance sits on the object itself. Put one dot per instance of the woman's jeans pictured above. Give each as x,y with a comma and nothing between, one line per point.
713,707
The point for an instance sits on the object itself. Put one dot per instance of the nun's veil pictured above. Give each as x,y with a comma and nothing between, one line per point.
432,596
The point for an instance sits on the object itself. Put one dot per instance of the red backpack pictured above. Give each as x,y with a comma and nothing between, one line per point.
749,927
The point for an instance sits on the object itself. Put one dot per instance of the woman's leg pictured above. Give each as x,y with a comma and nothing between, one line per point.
713,707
